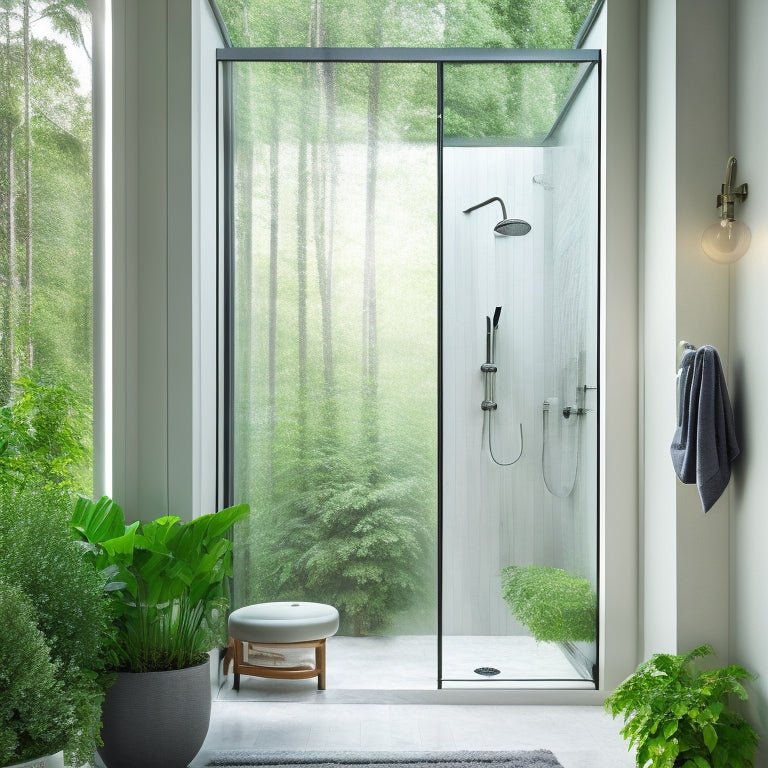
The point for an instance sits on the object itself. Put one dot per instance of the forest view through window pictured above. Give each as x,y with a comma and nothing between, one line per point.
46,245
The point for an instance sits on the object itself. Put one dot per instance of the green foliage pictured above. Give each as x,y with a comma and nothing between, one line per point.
677,716
44,436
555,605
346,538
36,716
460,23
46,273
39,555
518,101
166,580
366,545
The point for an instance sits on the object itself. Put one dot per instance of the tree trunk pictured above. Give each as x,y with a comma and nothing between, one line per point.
12,266
28,184
370,341
333,168
274,211
244,298
302,236
6,185
243,257
324,192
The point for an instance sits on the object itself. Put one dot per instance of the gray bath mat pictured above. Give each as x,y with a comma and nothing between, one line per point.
540,758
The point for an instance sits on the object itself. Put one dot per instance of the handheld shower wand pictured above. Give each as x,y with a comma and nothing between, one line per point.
489,369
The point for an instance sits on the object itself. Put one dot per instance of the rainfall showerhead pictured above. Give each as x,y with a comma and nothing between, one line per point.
506,227
512,227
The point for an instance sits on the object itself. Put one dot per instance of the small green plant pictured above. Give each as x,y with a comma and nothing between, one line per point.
166,580
36,716
677,716
44,436
39,556
555,605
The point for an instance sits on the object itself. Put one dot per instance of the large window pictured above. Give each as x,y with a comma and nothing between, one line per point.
390,471
46,244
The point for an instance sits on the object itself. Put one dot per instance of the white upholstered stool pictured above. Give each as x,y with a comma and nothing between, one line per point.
263,636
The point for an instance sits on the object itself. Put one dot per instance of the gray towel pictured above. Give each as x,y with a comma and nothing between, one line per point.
705,442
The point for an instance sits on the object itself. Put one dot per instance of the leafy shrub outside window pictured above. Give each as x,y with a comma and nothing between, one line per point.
45,437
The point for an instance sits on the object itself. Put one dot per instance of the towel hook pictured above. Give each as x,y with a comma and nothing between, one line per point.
682,348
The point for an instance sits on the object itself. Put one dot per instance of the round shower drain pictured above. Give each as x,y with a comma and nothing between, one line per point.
487,671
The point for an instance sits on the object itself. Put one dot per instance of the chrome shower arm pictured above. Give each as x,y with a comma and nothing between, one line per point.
485,202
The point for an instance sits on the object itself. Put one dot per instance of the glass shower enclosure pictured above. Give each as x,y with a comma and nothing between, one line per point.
409,325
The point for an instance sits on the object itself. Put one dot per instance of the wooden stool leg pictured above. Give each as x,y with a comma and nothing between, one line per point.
237,660
320,664
229,656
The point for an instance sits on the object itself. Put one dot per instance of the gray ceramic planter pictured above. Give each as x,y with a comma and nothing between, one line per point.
156,719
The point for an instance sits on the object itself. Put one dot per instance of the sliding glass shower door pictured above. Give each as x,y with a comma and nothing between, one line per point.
520,372
335,344
410,324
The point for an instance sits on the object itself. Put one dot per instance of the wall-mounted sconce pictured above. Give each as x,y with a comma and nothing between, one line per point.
727,240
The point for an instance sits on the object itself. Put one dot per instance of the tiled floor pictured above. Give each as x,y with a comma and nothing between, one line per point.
381,697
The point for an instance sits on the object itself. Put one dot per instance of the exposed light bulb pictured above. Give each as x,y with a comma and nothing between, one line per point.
726,240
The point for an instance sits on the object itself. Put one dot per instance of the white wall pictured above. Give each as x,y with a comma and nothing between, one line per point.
685,553
702,303
164,182
749,364
685,298
658,287
619,340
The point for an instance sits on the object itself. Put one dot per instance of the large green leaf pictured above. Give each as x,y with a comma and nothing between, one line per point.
222,521
165,578
710,737
98,522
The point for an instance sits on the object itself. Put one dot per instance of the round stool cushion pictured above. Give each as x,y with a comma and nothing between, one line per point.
283,622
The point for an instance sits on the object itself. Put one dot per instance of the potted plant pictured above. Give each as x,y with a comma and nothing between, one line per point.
167,583
555,605
40,558
36,715
677,715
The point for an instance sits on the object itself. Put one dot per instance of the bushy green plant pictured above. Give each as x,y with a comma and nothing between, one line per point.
39,555
36,716
677,716
44,436
346,537
555,605
166,579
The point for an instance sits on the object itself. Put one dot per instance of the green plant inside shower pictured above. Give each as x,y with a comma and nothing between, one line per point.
556,606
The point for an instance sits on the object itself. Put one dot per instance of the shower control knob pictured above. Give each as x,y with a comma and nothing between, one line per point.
488,405
488,368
